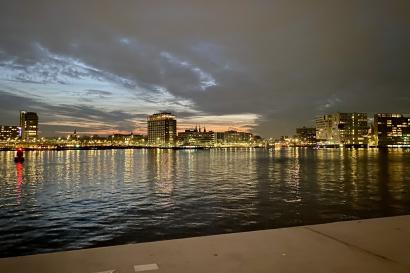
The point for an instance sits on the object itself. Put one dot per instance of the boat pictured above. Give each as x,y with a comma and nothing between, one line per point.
19,155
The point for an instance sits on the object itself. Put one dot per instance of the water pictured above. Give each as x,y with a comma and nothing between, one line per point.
61,200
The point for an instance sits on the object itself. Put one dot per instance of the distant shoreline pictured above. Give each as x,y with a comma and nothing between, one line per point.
128,147
7,149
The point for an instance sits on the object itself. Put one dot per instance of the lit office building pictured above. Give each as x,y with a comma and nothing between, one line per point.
29,125
233,137
197,137
342,129
391,130
306,136
237,137
162,129
9,132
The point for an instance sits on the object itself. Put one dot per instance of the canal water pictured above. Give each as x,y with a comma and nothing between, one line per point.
64,200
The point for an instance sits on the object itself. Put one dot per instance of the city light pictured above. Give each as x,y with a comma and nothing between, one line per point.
338,130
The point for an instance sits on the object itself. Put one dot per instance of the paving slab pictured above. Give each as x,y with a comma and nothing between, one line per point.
298,249
386,237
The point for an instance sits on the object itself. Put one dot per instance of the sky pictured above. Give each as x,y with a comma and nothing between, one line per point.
262,66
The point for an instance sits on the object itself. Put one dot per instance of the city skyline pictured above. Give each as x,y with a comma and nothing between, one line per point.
103,67
332,130
143,131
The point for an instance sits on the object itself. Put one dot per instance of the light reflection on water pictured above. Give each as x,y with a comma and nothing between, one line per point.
60,200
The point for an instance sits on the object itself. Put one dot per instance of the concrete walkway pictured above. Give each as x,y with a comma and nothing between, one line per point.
375,245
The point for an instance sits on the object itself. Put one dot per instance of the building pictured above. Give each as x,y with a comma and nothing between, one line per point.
391,130
233,137
74,136
162,129
324,128
128,139
29,125
258,139
237,137
9,132
196,137
219,137
342,129
306,136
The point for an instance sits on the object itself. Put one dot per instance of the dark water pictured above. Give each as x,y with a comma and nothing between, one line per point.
77,199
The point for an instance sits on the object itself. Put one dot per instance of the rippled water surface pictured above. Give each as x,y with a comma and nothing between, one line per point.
61,200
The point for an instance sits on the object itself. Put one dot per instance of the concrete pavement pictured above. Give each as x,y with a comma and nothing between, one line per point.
375,245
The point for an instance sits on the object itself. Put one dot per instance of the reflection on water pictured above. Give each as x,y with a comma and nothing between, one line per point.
75,199
19,169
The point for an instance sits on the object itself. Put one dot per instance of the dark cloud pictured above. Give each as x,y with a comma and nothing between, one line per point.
286,62
57,117
11,104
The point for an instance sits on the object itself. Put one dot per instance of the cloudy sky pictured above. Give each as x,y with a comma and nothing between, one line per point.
265,66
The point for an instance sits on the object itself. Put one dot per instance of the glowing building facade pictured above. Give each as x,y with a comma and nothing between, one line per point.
196,137
9,132
162,129
342,129
391,130
233,137
29,125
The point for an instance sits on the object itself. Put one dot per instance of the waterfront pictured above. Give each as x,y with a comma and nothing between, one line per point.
60,200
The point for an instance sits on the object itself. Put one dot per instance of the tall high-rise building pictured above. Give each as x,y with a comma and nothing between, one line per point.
29,125
391,130
342,129
162,129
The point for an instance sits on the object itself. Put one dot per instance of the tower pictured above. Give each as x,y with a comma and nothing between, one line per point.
162,129
29,125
